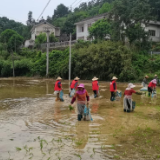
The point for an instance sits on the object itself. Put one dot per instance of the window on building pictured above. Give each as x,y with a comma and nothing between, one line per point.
82,29
152,33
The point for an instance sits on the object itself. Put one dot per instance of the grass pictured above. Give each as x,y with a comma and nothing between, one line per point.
78,155
18,149
116,157
143,141
70,108
79,142
42,141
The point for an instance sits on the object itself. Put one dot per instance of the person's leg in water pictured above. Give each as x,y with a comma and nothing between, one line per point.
95,93
57,98
149,91
129,106
80,111
112,96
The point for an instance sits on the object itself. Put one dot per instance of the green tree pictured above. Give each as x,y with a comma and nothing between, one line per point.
15,42
30,21
12,39
83,6
41,38
60,11
155,12
103,59
6,35
127,14
69,26
100,29
52,38
107,7
20,28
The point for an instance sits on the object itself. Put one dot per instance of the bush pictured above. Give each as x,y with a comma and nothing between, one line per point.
103,59
6,70
23,67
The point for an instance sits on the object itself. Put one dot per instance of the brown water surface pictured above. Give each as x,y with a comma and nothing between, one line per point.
34,126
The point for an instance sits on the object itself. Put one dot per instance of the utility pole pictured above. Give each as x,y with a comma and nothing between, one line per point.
47,54
13,56
13,64
70,58
15,44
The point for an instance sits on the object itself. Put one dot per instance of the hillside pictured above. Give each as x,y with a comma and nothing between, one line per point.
20,28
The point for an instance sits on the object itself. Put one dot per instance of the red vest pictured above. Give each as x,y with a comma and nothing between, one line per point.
73,84
151,85
95,86
112,87
56,88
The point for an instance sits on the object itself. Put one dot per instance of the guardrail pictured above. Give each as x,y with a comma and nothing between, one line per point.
58,44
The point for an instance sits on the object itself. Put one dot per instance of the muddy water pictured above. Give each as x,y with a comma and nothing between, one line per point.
34,126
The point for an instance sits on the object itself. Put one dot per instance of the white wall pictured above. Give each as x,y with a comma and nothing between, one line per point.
33,35
41,29
28,43
85,33
156,28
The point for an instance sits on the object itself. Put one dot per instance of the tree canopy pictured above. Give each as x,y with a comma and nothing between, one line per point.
60,11
100,29
41,38
12,39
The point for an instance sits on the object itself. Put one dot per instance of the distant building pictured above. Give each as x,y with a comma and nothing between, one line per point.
82,26
29,43
41,28
153,27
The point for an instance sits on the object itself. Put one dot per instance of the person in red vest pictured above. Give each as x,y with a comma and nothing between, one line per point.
152,86
113,88
58,87
74,83
95,86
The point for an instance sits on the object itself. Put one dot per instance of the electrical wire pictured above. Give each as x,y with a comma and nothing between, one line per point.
73,2
77,4
44,9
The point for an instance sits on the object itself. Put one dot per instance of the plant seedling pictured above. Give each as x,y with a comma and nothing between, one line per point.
70,108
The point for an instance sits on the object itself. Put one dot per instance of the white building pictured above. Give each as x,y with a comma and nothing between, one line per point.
41,28
82,26
153,27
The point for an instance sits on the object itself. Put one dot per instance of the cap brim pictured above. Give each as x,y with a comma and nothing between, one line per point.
80,87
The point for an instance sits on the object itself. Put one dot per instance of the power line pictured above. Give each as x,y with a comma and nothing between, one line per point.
44,9
77,4
73,2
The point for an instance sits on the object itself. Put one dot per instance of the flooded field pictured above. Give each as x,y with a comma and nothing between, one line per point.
34,126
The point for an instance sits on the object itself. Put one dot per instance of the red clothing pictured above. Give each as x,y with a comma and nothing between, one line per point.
80,97
58,86
152,85
129,92
113,86
95,86
74,84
